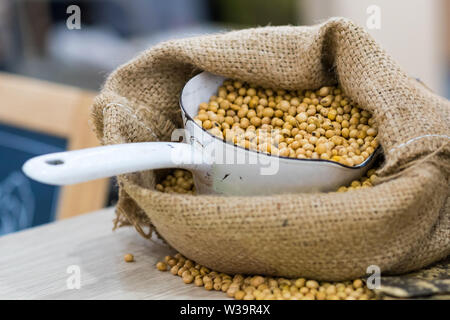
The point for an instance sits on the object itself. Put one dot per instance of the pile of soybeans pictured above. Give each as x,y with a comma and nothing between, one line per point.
303,124
257,287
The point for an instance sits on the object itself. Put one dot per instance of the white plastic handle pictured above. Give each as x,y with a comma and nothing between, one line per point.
72,167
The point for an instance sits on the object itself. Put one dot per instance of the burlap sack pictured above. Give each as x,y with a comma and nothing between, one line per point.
400,225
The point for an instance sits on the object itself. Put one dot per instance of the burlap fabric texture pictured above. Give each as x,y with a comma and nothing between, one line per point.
401,224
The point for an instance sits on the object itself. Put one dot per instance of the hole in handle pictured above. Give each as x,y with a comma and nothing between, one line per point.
54,162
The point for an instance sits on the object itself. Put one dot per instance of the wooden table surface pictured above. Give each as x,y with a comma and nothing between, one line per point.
34,263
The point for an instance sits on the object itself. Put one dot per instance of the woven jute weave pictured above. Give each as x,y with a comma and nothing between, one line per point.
401,224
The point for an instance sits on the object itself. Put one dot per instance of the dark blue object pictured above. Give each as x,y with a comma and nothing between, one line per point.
25,203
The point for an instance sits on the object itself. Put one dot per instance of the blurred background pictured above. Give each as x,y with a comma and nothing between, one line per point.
41,39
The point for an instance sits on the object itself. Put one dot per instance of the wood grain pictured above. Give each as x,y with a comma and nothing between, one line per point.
37,105
33,263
